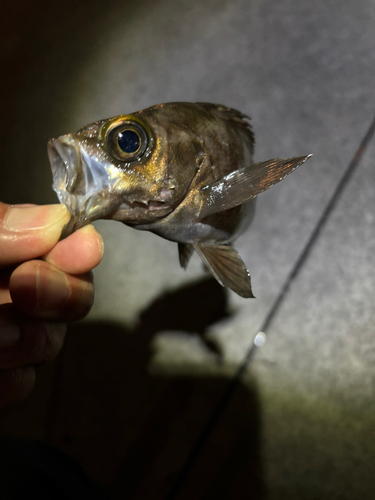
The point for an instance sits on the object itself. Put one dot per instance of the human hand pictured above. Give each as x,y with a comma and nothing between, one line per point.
43,283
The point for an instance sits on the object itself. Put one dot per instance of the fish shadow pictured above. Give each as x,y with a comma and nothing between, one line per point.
193,308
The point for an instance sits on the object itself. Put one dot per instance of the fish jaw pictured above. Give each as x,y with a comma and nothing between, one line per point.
80,182
93,188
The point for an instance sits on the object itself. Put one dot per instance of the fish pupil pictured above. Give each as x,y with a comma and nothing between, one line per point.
128,141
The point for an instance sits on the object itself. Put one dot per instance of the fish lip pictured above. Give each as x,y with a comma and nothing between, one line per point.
139,219
136,212
65,160
151,205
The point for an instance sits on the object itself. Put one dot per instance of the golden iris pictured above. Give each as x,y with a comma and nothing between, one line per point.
126,141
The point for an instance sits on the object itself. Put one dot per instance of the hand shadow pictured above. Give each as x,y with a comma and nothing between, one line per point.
156,436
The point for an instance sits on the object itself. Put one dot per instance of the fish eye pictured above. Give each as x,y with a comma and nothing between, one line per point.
127,141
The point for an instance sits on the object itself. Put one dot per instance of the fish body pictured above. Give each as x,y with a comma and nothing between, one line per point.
183,171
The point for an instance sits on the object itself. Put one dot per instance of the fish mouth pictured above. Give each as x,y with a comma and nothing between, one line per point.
89,189
64,159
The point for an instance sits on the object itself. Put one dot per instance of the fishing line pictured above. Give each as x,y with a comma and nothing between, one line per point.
233,384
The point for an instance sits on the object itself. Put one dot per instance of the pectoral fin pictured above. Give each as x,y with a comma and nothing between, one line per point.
185,251
242,185
227,267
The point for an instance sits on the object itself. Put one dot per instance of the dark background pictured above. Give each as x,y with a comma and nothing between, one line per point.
143,393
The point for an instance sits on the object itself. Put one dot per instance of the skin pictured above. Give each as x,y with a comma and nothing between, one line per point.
44,282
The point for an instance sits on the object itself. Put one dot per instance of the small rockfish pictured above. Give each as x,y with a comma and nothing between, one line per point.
183,171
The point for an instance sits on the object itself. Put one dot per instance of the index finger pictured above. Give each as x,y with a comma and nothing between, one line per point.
28,232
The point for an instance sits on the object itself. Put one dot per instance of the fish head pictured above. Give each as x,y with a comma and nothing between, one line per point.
134,168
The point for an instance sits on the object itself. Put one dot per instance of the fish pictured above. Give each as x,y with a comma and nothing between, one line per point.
183,171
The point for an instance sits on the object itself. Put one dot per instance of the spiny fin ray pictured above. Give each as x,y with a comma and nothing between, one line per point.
234,117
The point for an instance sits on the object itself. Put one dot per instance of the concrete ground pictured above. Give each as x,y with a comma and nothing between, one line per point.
160,392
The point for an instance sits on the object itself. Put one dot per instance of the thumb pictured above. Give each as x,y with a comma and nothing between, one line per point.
28,232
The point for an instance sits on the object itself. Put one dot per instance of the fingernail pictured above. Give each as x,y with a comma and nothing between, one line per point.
9,335
52,289
101,244
31,218
90,229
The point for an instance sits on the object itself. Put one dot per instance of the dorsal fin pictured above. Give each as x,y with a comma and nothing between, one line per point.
244,184
227,267
237,119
